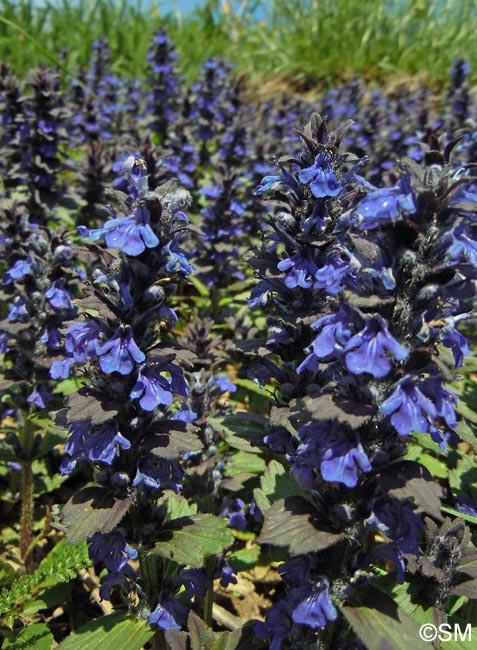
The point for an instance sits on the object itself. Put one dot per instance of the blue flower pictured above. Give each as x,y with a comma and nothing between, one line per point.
131,234
398,521
422,406
111,549
102,443
457,343
17,271
76,448
3,343
195,581
338,454
335,331
39,397
225,572
365,351
320,177
276,626
409,408
316,609
330,276
296,570
151,388
18,309
81,340
59,297
234,511
169,613
273,182
461,245
165,475
177,257
301,270
120,353
384,206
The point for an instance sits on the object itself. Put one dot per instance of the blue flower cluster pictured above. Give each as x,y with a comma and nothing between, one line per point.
135,388
363,296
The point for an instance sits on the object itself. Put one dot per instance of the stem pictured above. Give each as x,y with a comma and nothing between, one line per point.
208,603
149,573
159,641
26,522
209,596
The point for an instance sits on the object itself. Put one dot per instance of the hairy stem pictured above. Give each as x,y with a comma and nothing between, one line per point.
26,522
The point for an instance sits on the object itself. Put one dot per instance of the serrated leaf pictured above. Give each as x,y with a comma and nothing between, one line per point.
382,625
426,494
467,431
120,630
244,559
189,540
177,639
88,407
171,438
33,637
176,506
243,463
291,522
242,431
201,637
60,565
331,407
92,510
277,482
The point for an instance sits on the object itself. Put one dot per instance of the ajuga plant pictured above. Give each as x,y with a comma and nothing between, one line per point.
40,143
38,282
164,84
132,417
213,103
11,125
364,288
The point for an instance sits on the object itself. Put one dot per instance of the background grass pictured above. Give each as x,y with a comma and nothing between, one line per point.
304,42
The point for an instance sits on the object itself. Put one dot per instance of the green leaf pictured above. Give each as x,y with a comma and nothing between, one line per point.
201,289
176,506
243,431
292,523
188,540
381,623
276,483
119,630
461,515
243,463
467,431
60,565
33,637
92,510
244,559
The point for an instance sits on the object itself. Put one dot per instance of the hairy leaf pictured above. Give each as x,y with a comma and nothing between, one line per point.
292,522
60,565
243,431
382,625
120,630
84,406
92,510
33,637
188,540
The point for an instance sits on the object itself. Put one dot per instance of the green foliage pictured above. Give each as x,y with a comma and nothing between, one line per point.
304,41
33,637
110,632
189,540
60,565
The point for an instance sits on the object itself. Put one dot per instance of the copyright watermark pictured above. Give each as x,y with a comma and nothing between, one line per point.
445,632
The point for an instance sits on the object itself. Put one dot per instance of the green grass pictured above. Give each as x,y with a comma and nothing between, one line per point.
306,42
